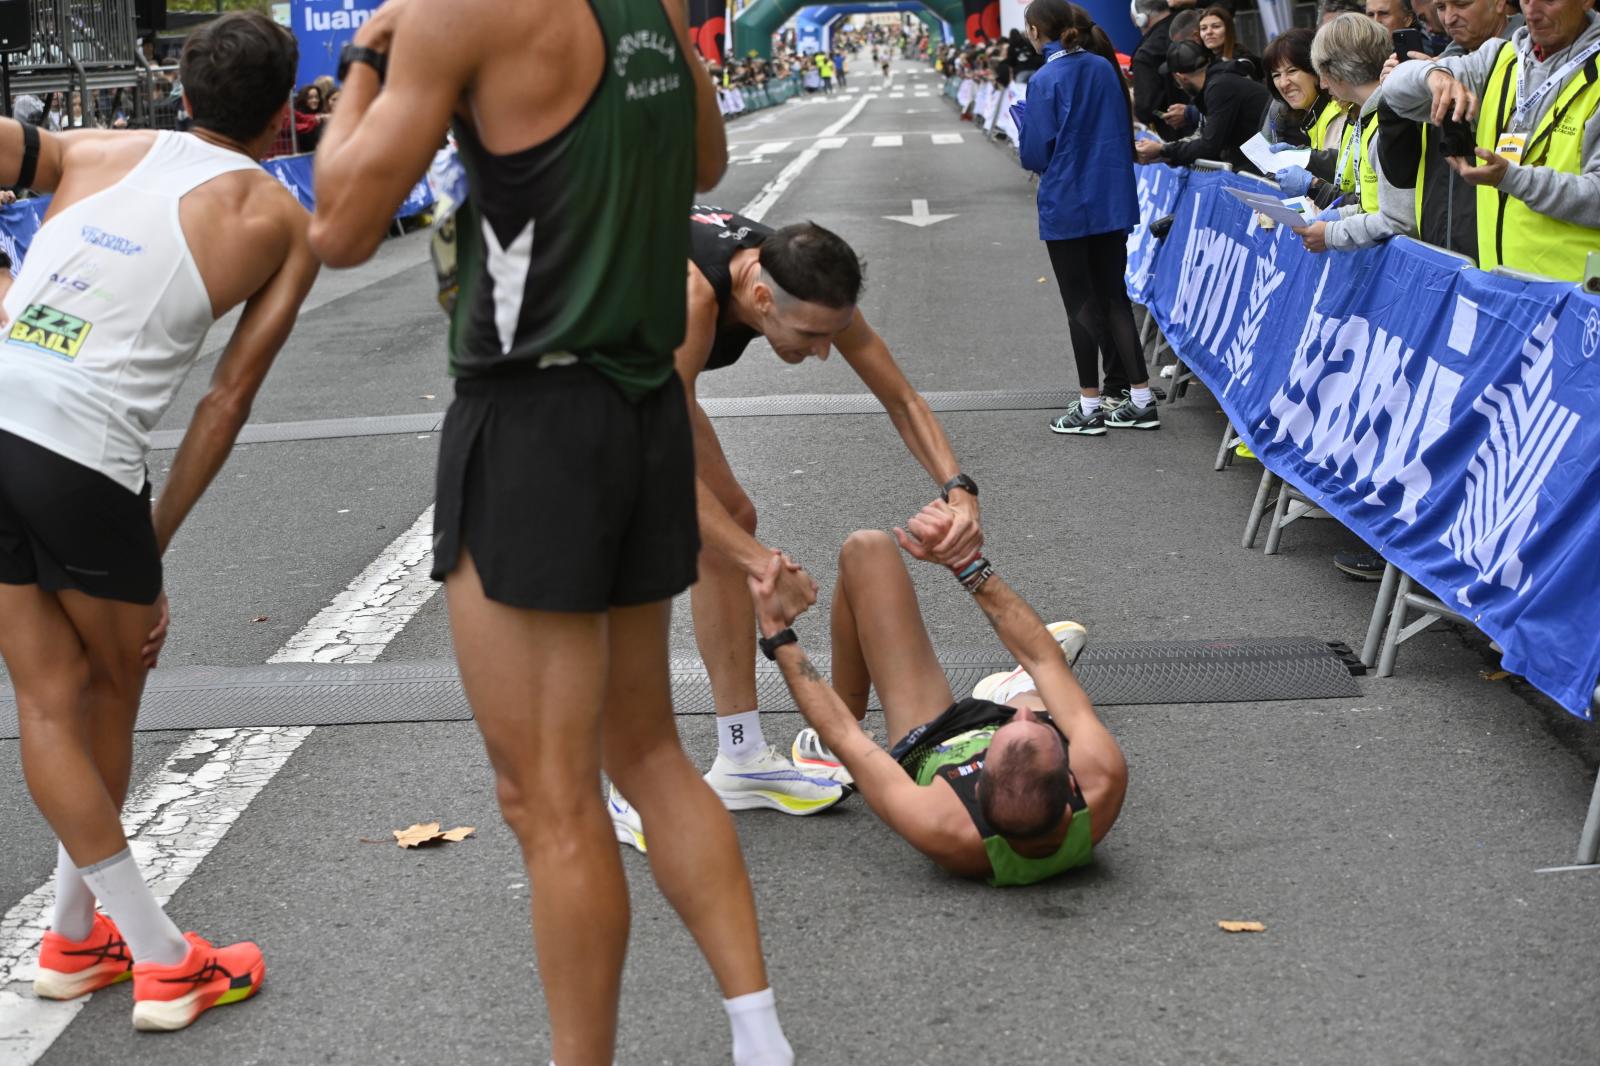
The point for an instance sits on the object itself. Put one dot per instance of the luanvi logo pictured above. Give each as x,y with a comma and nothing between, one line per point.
47,330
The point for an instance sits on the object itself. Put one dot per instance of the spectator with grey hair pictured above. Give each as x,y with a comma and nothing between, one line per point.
1349,54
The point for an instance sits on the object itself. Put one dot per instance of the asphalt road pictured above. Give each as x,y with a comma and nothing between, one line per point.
1389,843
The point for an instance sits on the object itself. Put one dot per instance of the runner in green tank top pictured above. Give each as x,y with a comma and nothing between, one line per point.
565,518
1014,791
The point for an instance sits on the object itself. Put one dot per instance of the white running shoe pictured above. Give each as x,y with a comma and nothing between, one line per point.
812,756
770,780
625,821
1008,685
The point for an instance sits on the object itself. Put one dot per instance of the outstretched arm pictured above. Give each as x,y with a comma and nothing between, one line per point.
921,430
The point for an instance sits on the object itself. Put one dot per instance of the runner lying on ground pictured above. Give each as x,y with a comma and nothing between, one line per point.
797,287
984,789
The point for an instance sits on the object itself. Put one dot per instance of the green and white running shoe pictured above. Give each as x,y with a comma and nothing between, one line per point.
770,780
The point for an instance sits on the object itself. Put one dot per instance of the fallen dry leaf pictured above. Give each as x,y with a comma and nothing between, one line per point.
1242,927
1041,281
260,618
429,833
1497,675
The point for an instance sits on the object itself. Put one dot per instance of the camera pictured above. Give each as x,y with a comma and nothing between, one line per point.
1457,139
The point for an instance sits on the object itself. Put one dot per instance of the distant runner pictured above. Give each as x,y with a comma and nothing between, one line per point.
150,238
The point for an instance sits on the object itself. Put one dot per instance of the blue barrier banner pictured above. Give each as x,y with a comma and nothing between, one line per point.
1159,186
19,222
1451,418
294,171
322,28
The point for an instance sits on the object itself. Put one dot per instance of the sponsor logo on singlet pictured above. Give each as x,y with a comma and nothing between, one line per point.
81,285
632,44
45,329
111,242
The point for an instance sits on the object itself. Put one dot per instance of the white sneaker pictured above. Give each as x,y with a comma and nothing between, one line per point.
770,780
812,756
1009,684
625,821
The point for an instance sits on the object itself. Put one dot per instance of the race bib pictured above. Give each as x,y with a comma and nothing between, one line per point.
1509,146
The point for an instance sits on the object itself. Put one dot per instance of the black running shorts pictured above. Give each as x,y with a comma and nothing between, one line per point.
569,497
65,526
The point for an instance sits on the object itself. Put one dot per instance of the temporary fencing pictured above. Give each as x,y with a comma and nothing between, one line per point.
737,100
1448,416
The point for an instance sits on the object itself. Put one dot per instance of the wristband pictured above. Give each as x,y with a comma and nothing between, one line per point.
770,645
975,573
30,156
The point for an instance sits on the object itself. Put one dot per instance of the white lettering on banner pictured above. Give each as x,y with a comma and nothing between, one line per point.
1213,275
1349,407
1527,431
347,18
1241,355
1591,334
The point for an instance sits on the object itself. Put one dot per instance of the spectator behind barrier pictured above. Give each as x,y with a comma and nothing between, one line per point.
1232,107
1328,10
1536,172
1153,91
1392,15
308,118
1412,153
1349,55
1303,114
1216,33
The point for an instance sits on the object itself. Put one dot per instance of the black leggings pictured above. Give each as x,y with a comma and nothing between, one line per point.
1089,271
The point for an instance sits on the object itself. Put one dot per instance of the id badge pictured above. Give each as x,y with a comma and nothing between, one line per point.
1509,146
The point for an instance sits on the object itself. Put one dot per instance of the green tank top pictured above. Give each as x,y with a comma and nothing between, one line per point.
574,248
959,760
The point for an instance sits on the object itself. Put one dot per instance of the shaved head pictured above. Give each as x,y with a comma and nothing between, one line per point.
1025,788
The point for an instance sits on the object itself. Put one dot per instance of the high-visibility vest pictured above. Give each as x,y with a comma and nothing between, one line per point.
1509,231
1332,112
1369,167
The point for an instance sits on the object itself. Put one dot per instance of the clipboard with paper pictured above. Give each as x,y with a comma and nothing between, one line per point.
1263,203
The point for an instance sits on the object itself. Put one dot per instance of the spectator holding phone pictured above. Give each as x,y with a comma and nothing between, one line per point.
1534,105
1232,107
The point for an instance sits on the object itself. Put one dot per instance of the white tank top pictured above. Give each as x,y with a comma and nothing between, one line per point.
108,314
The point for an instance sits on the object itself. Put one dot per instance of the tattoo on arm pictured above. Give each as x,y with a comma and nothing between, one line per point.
808,671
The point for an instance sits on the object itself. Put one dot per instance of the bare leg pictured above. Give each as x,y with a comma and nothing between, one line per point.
878,636
724,619
536,682
694,852
77,693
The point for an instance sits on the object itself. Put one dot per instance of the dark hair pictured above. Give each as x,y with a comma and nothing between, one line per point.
302,99
1058,20
1292,48
1025,794
814,265
1188,57
1185,26
1230,42
237,72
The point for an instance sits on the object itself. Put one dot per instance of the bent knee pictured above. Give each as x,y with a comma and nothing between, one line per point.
57,697
864,545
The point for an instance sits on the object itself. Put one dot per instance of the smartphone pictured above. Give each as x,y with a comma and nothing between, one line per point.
1458,139
1591,274
1412,40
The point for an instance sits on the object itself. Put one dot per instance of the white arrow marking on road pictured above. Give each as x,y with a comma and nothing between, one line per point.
919,216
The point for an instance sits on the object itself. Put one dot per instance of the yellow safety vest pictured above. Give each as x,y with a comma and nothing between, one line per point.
1509,231
1369,169
1332,112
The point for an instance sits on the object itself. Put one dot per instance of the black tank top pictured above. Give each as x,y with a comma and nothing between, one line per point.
714,236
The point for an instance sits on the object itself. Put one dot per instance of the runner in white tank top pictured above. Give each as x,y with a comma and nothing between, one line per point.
149,237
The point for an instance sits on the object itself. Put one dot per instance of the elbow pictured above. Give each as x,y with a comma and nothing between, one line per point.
709,172
338,244
228,406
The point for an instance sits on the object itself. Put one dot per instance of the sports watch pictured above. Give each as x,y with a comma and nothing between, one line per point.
960,481
355,53
770,645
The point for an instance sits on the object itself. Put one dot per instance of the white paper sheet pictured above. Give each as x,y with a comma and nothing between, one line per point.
1266,204
1259,152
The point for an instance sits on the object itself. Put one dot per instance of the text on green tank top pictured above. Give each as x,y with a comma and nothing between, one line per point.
578,245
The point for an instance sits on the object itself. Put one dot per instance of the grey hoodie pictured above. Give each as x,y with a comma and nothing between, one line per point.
1569,197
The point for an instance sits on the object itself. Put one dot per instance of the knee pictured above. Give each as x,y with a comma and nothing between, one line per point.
55,698
544,813
865,547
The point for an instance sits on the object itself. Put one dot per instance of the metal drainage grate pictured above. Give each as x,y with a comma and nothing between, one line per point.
731,407
1135,672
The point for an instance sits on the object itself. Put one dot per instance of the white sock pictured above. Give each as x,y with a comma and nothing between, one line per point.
1089,404
74,916
120,887
1143,397
739,736
758,1039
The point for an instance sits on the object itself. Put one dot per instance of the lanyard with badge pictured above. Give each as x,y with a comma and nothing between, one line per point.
1511,143
1351,153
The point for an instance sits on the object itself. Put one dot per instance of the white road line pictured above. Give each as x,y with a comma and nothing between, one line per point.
947,138
897,96
772,147
769,194
180,812
830,142
888,140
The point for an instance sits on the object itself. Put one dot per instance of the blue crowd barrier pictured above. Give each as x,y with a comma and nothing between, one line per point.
1449,417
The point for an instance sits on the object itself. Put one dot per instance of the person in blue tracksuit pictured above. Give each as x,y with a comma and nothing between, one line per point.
1076,133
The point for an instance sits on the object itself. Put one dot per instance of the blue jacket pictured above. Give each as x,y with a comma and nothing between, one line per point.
1077,136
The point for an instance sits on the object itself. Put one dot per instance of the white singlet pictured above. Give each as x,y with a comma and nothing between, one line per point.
108,314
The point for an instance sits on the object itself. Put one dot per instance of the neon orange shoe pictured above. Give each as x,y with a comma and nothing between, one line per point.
172,997
72,968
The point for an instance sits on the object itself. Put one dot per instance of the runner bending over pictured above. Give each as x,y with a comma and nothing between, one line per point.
797,287
150,237
1015,791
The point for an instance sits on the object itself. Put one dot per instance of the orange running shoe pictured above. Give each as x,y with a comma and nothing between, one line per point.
172,997
72,968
